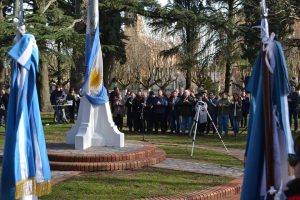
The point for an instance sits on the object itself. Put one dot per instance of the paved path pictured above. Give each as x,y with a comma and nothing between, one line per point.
203,168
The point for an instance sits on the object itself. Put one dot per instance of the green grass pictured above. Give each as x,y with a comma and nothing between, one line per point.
134,184
210,140
201,155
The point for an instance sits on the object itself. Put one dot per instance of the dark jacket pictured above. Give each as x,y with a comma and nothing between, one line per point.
128,105
186,105
293,191
236,109
224,107
138,104
293,99
212,106
245,105
172,104
160,105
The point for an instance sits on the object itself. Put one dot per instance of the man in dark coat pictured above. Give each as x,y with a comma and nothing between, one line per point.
159,109
138,104
213,111
185,105
293,100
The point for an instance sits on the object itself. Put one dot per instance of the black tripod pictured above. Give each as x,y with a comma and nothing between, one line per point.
142,119
202,106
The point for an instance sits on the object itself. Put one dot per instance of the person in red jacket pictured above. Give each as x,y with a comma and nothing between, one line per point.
293,191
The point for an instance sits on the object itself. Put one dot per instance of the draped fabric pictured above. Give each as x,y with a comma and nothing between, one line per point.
25,166
93,85
254,175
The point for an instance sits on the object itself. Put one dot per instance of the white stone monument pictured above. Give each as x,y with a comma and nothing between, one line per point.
94,125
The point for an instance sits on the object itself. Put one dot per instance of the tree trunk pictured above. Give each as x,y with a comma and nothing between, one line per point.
77,72
43,87
2,75
2,56
188,78
16,8
227,76
107,70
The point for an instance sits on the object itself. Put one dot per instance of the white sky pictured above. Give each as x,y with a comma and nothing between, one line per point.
163,2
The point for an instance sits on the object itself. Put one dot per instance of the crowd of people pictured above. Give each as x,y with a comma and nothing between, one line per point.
150,112
65,105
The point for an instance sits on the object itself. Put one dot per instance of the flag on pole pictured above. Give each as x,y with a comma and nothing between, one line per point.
25,167
93,87
254,186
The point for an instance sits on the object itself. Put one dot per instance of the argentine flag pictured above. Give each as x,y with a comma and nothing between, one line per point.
93,86
25,167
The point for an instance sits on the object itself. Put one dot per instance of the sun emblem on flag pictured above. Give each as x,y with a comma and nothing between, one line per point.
95,79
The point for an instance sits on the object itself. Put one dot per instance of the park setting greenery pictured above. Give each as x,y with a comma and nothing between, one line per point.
209,37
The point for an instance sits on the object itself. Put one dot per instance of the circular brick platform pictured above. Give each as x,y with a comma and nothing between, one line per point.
134,155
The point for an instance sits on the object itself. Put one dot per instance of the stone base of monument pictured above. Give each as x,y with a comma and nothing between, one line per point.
134,155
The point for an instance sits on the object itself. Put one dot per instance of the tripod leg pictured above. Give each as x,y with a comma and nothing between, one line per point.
216,129
194,138
196,120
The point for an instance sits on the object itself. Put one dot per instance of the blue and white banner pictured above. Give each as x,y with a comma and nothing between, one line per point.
25,167
254,184
93,85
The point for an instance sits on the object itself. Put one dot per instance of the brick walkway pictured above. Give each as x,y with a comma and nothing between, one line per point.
229,191
203,168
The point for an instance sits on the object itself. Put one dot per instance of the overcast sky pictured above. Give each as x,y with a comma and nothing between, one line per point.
163,2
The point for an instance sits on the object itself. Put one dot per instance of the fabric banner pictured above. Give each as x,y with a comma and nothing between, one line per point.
25,167
93,85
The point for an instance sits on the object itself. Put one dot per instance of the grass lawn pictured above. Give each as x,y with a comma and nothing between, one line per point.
210,140
133,184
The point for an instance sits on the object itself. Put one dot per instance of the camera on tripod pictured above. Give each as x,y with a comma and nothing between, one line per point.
201,105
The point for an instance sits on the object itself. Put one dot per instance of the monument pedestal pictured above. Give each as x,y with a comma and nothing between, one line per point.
94,127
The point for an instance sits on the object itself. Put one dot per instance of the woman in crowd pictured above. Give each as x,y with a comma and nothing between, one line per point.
236,109
119,110
223,114
71,97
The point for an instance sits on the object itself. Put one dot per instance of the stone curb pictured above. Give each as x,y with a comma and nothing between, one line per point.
144,152
157,157
215,193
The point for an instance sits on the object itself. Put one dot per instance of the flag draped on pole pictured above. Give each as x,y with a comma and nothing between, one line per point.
93,87
255,175
25,167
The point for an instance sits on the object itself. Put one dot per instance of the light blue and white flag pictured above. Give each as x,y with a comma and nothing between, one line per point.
25,167
93,85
